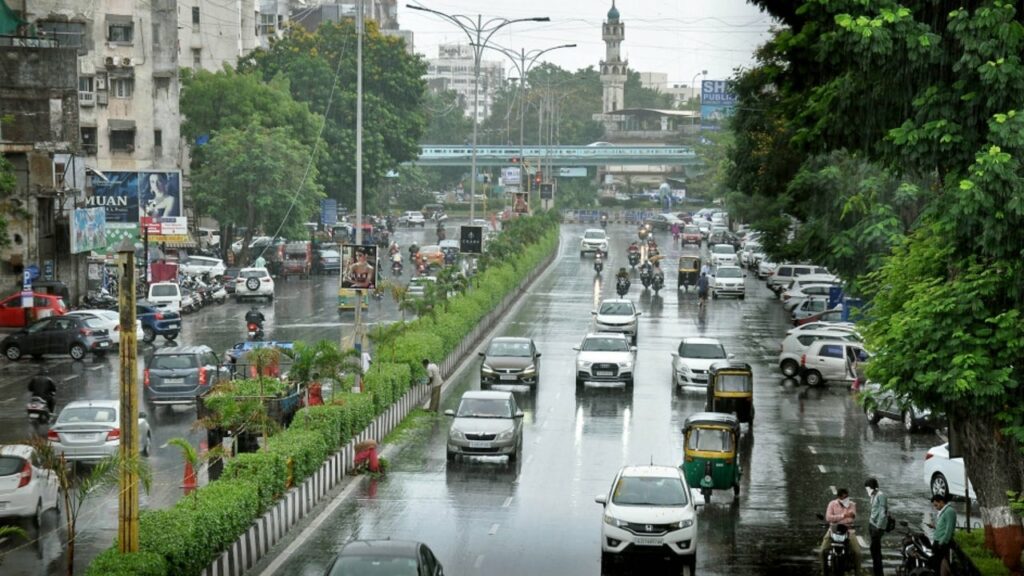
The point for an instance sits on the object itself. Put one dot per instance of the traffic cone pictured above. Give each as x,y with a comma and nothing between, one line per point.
189,483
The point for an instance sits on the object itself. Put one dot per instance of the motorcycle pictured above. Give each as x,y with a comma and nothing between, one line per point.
254,330
915,553
598,265
646,275
634,258
99,301
396,267
604,220
839,556
658,283
643,233
622,287
38,410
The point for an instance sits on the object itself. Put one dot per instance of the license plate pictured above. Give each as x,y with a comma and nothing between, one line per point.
479,444
33,416
173,325
104,344
602,373
508,377
648,541
174,380
82,436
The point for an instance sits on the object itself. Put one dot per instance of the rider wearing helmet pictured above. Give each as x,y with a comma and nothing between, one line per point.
254,316
43,386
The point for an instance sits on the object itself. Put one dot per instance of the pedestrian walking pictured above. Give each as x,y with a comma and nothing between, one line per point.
877,522
942,537
434,378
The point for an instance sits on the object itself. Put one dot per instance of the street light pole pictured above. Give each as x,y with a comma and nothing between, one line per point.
357,338
693,89
479,33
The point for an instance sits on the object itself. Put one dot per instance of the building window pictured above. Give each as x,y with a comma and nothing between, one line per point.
67,34
156,34
89,139
197,57
195,17
268,24
120,32
122,140
122,87
85,84
158,139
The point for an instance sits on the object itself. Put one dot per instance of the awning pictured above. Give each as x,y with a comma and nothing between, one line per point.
123,19
116,124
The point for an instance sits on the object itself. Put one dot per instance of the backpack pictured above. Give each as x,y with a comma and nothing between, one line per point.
890,521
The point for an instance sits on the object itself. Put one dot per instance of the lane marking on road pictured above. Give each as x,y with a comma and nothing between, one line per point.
812,449
479,561
8,400
94,368
494,529
822,468
833,489
70,378
508,502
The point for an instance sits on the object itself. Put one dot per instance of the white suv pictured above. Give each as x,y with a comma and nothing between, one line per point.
594,240
723,255
605,357
254,283
690,364
412,218
796,343
649,510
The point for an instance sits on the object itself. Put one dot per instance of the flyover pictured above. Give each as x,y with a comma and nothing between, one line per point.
438,155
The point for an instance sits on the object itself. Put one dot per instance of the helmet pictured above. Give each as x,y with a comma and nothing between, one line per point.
43,370
254,308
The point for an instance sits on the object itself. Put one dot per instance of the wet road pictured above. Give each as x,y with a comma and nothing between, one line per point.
539,517
301,310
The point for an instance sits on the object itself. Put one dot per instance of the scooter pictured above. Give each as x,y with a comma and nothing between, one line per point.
658,282
396,267
254,330
839,556
604,220
598,264
99,301
621,287
38,410
915,553
634,258
646,275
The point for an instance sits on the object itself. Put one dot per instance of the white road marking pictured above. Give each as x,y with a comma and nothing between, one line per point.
96,367
833,489
508,502
812,449
494,529
8,400
70,378
822,468
479,561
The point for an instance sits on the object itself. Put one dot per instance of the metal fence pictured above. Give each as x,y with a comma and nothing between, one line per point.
616,216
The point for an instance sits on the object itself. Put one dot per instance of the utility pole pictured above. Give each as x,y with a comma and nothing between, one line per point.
128,494
360,294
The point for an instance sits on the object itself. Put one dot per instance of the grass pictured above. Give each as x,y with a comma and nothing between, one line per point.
417,420
973,546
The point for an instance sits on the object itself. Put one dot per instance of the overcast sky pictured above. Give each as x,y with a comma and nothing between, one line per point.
677,37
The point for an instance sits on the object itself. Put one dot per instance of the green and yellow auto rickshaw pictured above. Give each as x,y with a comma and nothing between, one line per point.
688,272
709,453
347,298
731,390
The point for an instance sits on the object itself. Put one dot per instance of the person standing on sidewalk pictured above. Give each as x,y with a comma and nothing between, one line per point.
877,522
942,537
434,379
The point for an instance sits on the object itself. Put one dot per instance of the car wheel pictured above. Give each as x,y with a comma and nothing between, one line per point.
872,415
629,383
607,563
451,456
77,351
171,336
148,334
736,489
514,455
714,295
37,519
12,352
582,254
690,565
743,296
789,368
145,449
940,485
908,421
579,384
812,378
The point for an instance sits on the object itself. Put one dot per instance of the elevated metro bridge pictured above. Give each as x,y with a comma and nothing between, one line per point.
437,155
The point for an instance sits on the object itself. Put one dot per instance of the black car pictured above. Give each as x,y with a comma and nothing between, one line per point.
228,279
390,557
510,360
73,335
157,321
180,374
885,404
725,237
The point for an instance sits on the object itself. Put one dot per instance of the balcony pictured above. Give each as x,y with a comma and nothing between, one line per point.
86,98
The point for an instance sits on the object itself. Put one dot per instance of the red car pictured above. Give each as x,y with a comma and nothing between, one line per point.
12,315
692,235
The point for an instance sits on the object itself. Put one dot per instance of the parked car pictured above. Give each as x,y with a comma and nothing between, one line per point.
765,268
412,218
945,475
799,292
180,375
648,510
728,281
486,423
510,360
617,315
722,236
367,557
254,283
228,279
27,490
605,357
786,273
90,430
12,315
693,359
837,326
809,307
75,336
200,265
157,322
593,240
110,320
834,315
329,261
795,344
165,295
825,361
886,404
723,255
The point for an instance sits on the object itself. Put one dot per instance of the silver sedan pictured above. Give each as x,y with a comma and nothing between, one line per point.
90,430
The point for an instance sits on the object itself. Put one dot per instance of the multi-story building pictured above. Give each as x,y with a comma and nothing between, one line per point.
383,12
453,70
212,33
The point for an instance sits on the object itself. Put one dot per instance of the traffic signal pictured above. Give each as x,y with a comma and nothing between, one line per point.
514,159
539,177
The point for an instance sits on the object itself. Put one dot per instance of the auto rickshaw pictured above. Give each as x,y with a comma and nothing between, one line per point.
347,298
731,390
709,453
689,272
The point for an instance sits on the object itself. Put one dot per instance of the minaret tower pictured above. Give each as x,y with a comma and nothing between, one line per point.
613,67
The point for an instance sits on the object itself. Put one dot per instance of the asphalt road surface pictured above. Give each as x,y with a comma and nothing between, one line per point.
538,516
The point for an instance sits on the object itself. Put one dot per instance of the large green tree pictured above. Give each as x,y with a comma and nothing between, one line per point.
923,99
257,177
324,63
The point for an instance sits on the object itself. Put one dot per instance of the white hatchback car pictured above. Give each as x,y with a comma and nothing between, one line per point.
111,322
723,255
617,315
795,344
254,283
649,510
945,475
690,364
27,490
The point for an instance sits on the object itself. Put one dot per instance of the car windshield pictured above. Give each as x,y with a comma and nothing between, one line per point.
95,323
160,290
594,235
733,383
173,362
723,249
374,566
649,491
691,230
507,348
709,440
701,350
484,408
616,309
89,414
605,345
729,273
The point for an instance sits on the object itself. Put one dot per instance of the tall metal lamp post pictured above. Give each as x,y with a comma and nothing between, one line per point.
693,87
479,33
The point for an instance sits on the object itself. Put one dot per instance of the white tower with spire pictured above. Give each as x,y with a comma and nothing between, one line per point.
613,67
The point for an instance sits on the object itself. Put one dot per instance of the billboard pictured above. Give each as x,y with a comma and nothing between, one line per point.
717,103
359,267
471,239
510,176
118,195
170,229
88,230
575,172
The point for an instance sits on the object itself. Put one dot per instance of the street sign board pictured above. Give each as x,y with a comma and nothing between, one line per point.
717,103
328,212
510,175
575,172
26,288
547,191
471,239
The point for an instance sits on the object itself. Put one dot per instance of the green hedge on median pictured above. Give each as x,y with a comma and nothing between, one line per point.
184,539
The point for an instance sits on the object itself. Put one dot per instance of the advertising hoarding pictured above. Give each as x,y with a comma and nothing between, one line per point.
510,176
359,267
88,230
471,239
717,103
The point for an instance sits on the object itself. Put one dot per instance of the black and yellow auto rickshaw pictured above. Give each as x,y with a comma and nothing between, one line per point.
709,453
689,272
731,390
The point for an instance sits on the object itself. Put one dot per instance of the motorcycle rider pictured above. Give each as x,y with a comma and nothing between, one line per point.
598,262
675,232
659,274
842,510
414,249
622,276
254,316
702,288
394,249
440,231
43,386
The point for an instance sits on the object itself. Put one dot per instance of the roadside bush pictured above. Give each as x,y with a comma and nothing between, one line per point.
113,563
306,449
387,382
358,410
413,346
327,420
267,470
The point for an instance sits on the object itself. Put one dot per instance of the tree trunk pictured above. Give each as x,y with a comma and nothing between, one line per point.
245,258
996,466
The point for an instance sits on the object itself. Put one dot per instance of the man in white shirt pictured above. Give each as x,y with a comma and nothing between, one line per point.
434,378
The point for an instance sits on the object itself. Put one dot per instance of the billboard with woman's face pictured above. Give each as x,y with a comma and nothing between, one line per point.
359,267
160,194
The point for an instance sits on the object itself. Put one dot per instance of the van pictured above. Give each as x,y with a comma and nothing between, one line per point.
165,295
209,237
786,273
430,209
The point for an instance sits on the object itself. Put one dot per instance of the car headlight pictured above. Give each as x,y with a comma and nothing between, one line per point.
628,364
457,434
583,364
683,369
612,521
487,369
506,435
681,524
530,369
